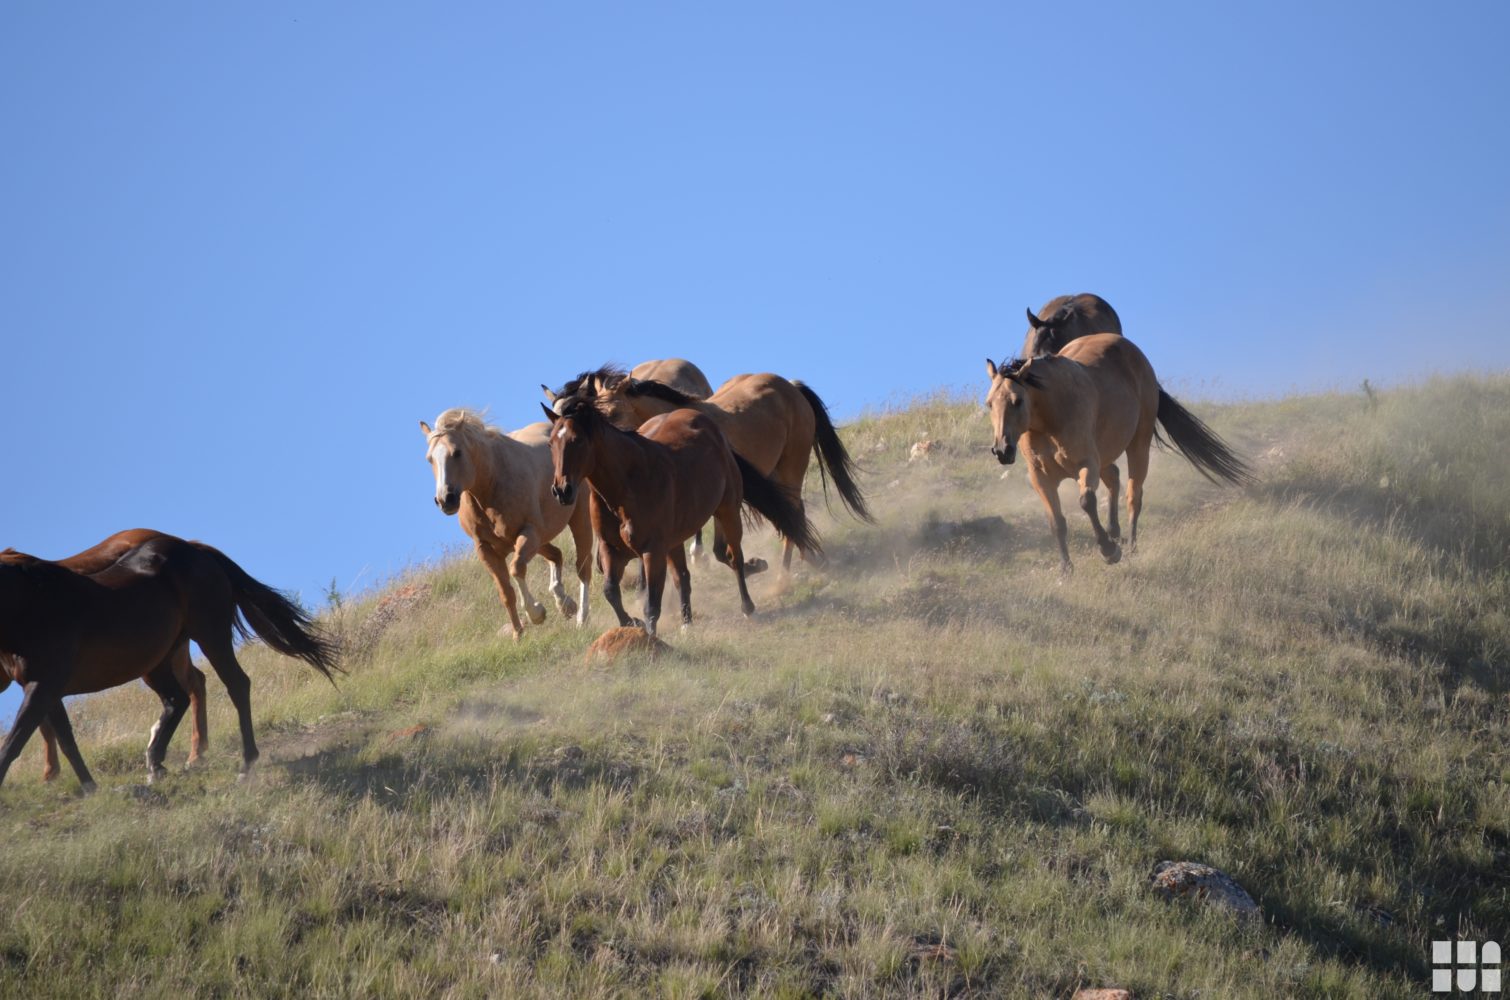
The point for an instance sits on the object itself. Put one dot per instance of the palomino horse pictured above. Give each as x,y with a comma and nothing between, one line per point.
499,484
66,633
1066,318
773,424
1075,412
176,680
652,488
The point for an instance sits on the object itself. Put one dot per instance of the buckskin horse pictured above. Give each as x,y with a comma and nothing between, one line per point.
1068,318
67,633
499,486
775,425
176,680
653,487
1073,413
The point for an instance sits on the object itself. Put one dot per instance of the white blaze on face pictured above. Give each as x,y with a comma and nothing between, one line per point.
437,456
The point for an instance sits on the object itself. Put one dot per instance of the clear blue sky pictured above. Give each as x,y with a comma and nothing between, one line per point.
244,248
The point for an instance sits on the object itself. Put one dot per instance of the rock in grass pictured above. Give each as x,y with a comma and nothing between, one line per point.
617,642
1103,995
1193,880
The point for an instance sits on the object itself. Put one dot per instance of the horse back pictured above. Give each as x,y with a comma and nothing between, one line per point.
763,415
1126,389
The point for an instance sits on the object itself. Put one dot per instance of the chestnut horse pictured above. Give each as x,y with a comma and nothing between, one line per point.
679,373
66,633
499,485
652,488
1066,318
775,425
176,680
1075,412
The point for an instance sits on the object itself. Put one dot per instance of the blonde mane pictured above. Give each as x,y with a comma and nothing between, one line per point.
467,424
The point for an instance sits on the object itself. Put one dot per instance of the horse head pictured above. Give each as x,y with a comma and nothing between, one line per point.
450,459
1010,405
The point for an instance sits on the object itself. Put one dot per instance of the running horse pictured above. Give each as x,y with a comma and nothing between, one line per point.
653,487
64,633
176,680
499,487
775,425
1068,318
1073,413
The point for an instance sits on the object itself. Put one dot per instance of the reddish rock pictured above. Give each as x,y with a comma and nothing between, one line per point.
1103,995
1192,880
617,642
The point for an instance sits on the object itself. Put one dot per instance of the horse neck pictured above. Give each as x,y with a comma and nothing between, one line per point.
617,456
493,459
1044,414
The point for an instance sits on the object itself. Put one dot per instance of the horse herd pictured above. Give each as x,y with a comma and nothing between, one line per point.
637,462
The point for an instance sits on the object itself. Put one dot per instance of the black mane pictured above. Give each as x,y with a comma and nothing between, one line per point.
659,390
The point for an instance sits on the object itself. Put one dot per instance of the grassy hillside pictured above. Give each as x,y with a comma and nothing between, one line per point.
927,768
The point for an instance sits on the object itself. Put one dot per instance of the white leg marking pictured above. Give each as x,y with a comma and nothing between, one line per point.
582,604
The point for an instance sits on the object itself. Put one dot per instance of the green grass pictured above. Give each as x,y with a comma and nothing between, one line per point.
927,768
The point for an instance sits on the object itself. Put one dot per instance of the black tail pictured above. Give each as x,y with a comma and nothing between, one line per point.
777,504
1199,444
277,620
833,459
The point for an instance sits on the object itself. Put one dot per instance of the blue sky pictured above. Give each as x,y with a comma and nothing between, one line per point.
244,248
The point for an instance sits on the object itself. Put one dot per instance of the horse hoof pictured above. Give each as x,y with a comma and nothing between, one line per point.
755,566
509,632
88,787
749,610
1112,555
537,614
567,606
155,774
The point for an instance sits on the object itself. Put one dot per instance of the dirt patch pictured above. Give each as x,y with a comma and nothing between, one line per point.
619,642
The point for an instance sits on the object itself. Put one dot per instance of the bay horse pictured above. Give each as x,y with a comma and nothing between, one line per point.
67,633
653,487
1073,413
498,485
775,425
1067,318
176,680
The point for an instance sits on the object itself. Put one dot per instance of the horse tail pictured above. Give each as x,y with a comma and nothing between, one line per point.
777,504
276,619
834,461
1210,455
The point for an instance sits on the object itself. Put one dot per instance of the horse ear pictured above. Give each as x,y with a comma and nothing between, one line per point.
548,394
1033,320
426,428
550,413
991,368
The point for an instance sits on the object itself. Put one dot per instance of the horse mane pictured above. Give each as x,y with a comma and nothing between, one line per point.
608,375
588,414
1014,368
465,422
659,390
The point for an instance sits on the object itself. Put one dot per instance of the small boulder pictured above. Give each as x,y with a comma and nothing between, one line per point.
617,642
1192,880
1103,995
921,450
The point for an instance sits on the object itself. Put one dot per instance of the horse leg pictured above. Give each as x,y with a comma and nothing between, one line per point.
1048,492
1137,472
525,547
733,533
683,582
50,768
697,545
57,716
554,559
36,704
612,560
500,570
192,680
581,536
175,699
239,686
655,587
1110,550
1109,476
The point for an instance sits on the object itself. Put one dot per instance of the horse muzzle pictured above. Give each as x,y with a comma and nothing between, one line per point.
565,495
449,504
1005,454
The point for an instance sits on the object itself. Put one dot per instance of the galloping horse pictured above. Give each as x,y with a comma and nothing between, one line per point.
773,424
66,633
652,488
1067,318
1075,412
173,680
499,484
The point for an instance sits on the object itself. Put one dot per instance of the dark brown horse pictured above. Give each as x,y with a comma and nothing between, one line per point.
775,425
1075,412
67,633
1066,318
653,487
176,680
